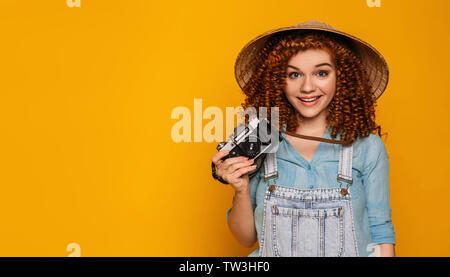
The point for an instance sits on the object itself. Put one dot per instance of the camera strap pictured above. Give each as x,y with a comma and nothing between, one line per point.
312,138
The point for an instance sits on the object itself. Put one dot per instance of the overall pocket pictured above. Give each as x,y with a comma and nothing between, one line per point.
307,232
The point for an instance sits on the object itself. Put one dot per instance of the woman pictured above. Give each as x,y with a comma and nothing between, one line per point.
325,84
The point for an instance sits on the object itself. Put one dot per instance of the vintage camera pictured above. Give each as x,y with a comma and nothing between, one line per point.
252,141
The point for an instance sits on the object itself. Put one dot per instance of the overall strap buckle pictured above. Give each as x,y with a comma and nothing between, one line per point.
270,167
345,168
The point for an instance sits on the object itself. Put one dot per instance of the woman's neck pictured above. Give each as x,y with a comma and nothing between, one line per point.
316,126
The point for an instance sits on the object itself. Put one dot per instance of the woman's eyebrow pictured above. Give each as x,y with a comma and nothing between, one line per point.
317,65
320,64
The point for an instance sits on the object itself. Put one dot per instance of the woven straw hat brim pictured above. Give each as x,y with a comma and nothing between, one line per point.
374,63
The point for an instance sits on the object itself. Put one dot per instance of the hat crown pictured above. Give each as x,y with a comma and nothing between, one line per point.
314,24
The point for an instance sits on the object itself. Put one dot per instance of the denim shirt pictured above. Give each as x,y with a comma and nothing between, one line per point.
369,191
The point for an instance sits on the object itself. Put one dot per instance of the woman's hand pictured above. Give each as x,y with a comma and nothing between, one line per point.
234,170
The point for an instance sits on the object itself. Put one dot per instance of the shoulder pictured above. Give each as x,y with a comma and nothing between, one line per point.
372,149
373,141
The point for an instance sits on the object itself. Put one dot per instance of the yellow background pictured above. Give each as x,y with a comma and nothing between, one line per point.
86,96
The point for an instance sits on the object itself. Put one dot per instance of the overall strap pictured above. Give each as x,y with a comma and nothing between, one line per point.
270,166
345,164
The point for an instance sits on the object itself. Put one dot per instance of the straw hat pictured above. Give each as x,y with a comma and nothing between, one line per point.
372,60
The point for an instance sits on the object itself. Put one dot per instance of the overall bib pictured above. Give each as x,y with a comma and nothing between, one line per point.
308,223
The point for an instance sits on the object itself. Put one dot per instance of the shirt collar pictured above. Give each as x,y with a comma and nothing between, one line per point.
289,153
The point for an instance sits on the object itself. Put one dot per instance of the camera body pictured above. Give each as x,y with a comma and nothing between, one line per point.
252,141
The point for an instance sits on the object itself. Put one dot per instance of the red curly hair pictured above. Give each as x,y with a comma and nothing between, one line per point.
351,111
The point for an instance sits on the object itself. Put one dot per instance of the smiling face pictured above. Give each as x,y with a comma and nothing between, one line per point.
346,104
311,82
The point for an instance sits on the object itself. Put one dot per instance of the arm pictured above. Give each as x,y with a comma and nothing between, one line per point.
240,218
386,250
241,221
376,183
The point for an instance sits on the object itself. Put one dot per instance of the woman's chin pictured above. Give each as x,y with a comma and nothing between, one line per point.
308,114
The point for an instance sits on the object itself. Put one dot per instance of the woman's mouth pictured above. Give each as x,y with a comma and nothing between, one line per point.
310,101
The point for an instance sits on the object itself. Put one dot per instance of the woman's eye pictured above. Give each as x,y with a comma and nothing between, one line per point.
292,74
323,75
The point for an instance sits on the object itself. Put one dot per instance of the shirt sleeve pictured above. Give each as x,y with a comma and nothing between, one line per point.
253,185
376,183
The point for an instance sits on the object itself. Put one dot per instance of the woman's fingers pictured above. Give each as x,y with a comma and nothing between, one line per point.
217,158
244,170
229,173
237,165
232,168
230,161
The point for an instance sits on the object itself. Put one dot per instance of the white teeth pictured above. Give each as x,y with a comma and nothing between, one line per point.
310,99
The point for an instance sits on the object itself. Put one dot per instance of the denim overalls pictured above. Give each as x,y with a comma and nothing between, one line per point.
312,223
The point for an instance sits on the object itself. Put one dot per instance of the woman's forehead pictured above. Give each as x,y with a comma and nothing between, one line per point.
311,57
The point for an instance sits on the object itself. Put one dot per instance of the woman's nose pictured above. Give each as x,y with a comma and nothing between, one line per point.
308,85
